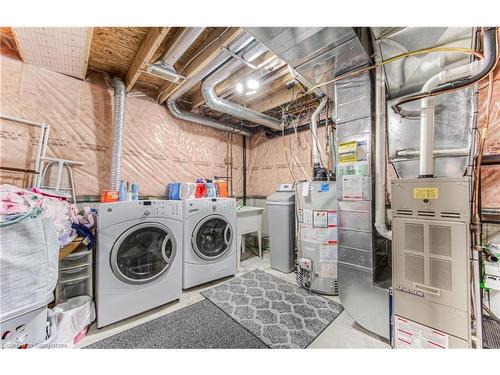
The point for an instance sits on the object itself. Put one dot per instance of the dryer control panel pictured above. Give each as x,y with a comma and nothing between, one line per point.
224,202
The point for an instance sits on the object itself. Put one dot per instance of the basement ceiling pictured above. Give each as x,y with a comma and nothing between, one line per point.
60,49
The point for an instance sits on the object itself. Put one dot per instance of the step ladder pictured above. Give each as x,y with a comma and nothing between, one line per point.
59,189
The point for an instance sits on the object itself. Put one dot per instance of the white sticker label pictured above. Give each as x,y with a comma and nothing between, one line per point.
328,253
332,236
307,233
305,189
352,188
300,215
307,216
412,335
332,218
322,235
328,269
320,219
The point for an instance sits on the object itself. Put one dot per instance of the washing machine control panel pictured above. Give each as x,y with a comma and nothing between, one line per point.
160,208
224,203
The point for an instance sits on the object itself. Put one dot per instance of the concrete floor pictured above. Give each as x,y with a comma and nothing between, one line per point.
343,332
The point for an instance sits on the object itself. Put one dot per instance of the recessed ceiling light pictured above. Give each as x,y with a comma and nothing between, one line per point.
253,84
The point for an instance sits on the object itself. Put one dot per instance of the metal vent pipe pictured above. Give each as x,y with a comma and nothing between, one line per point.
380,155
225,106
179,113
118,125
180,45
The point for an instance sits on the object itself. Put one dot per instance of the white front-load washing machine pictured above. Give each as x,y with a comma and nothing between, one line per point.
139,257
209,240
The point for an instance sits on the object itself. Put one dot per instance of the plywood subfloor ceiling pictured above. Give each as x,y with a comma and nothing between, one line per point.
127,52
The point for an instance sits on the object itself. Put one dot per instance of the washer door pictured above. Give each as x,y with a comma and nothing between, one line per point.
211,238
143,253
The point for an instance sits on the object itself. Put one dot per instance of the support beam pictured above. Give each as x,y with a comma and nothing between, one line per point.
210,50
148,48
280,97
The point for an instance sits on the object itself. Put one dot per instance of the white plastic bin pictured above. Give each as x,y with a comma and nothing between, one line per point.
72,317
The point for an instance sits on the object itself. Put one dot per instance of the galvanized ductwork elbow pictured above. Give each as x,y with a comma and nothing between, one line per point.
225,106
193,80
118,125
188,116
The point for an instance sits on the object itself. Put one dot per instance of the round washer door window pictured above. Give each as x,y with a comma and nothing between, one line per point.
143,253
212,237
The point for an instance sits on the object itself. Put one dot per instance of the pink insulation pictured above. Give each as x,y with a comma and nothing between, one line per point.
271,160
490,174
157,148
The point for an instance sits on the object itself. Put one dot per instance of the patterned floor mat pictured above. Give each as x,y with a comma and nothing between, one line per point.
280,314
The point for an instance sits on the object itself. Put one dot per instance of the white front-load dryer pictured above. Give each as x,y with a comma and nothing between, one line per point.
138,258
209,240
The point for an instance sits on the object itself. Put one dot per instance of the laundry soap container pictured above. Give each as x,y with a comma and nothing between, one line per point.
281,221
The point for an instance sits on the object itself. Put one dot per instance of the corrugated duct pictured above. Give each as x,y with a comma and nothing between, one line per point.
118,125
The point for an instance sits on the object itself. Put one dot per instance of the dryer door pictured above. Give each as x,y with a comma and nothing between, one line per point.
211,238
143,253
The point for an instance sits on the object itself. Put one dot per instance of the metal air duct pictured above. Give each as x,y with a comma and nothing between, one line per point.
225,106
380,155
189,83
319,172
164,68
118,124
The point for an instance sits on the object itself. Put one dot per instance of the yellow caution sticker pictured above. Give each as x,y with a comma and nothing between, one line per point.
348,152
425,193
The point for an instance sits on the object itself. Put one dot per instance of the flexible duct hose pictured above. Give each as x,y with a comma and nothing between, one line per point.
118,124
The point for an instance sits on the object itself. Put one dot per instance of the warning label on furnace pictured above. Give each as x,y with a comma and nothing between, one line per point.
411,335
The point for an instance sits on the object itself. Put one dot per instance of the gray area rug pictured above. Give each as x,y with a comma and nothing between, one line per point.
280,314
198,326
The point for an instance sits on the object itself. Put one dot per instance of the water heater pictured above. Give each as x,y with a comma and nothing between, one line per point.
316,209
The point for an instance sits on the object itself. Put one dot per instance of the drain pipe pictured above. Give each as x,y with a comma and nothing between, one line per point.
118,124
319,172
192,81
380,155
225,106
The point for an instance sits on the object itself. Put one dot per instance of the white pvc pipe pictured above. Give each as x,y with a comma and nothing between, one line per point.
426,168
314,130
436,153
380,155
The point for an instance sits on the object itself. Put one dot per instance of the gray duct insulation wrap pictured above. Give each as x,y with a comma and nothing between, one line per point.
118,124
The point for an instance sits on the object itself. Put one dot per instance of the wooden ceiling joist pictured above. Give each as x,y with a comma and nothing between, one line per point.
278,98
146,51
210,50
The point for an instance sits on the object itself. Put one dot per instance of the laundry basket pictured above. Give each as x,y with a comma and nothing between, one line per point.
72,319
